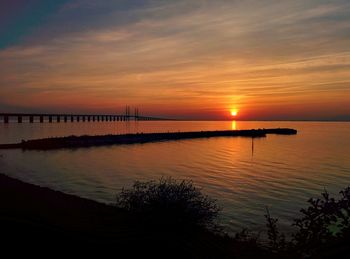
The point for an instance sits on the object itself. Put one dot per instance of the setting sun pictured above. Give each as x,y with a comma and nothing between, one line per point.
234,113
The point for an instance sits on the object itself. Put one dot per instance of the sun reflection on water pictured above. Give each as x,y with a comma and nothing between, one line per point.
234,125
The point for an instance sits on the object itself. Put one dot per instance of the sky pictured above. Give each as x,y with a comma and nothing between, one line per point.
186,59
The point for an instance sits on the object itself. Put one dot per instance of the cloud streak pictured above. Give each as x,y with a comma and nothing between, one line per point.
206,56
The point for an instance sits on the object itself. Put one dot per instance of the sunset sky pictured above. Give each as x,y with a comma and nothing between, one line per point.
192,59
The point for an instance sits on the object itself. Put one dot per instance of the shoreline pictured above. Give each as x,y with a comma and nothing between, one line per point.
36,219
33,217
139,138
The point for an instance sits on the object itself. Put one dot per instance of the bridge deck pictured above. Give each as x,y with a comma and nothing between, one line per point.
6,117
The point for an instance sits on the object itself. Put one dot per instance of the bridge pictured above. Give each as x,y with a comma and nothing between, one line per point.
56,117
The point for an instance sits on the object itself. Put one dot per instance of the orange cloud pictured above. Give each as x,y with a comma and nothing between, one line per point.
193,64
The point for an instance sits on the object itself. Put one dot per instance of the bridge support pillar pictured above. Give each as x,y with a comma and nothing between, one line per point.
84,118
41,119
65,118
58,118
31,119
78,118
50,119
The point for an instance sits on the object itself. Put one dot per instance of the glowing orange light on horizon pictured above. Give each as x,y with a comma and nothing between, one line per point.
234,113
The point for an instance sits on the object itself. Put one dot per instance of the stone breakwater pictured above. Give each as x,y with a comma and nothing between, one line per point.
102,140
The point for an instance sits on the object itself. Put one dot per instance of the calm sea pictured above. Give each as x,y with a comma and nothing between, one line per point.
280,172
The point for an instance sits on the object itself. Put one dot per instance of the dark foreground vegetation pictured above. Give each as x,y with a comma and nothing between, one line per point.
167,219
40,221
89,141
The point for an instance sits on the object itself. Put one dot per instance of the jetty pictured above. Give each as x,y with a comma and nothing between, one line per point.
103,140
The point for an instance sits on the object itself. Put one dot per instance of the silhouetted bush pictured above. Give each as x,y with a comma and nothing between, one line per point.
171,202
324,222
323,228
247,237
277,240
